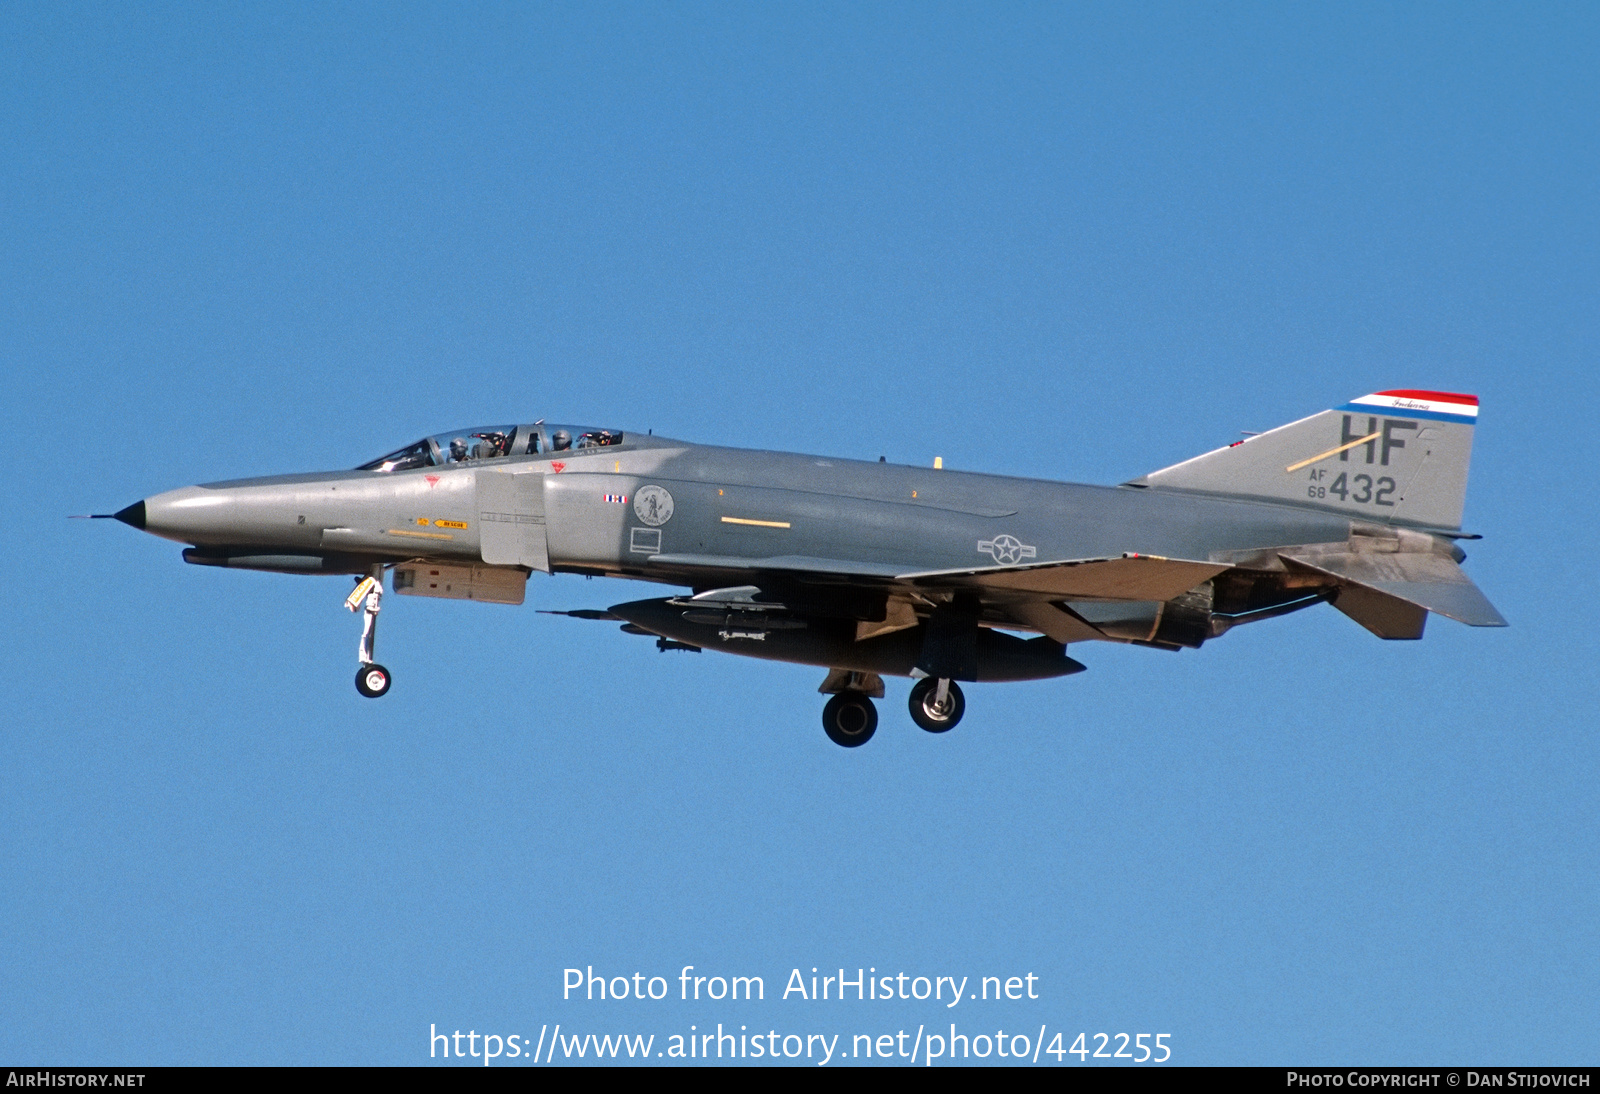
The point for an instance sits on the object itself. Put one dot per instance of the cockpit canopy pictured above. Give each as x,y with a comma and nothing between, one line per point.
493,442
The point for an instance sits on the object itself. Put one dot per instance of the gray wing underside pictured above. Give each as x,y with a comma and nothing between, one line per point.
1028,594
1129,577
1390,594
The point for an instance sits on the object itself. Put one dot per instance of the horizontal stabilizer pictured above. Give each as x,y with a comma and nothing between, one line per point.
1424,579
1382,614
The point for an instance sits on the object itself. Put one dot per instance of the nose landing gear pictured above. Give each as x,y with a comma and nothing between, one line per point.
372,679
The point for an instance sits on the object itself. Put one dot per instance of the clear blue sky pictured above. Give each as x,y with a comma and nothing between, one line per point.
1076,242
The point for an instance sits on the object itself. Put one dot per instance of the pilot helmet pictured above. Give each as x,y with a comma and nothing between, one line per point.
561,440
458,449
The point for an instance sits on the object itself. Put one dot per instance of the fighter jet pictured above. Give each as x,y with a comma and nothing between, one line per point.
872,569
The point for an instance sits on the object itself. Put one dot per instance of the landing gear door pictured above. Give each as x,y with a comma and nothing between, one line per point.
511,528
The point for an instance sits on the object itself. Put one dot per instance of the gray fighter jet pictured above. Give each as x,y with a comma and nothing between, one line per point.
875,569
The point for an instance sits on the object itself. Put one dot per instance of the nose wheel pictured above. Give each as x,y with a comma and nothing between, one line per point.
850,719
372,679
937,704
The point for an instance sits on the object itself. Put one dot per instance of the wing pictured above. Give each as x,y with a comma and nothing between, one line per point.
1389,591
1027,594
1130,577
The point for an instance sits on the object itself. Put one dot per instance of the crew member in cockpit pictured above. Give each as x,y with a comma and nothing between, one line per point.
561,440
458,450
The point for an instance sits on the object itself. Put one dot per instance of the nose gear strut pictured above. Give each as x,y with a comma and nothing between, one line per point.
372,679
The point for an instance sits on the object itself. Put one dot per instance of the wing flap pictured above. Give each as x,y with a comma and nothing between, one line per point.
1062,625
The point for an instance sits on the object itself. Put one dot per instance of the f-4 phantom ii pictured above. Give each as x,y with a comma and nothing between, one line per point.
876,569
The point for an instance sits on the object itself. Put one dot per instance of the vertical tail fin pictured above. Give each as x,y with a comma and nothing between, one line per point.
1393,457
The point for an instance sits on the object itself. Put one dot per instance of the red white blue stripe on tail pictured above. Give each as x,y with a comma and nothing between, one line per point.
1441,406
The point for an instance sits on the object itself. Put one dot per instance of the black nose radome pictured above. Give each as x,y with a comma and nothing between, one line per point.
133,515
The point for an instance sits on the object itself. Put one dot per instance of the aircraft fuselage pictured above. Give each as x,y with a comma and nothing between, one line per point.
728,504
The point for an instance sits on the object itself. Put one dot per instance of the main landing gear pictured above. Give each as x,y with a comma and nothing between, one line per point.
937,705
372,679
850,718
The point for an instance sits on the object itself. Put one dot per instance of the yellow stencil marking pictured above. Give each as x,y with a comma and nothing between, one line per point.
353,601
1293,467
419,535
756,523
422,521
449,524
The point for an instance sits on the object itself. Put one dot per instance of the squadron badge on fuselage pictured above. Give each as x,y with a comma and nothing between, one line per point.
653,505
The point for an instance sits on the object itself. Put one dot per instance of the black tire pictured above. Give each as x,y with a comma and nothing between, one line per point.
931,718
373,680
850,719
